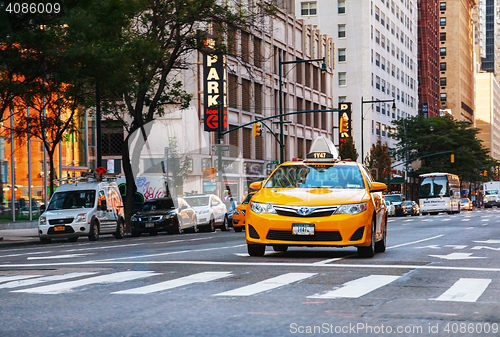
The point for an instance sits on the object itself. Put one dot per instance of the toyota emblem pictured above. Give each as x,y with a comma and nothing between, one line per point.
304,210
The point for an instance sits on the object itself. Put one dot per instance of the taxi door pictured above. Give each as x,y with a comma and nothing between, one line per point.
380,207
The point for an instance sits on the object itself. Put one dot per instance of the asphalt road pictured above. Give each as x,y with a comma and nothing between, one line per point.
438,277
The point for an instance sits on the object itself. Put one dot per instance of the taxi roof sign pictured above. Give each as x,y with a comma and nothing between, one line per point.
322,151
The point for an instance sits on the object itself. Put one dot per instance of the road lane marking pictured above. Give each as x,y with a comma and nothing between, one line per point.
33,281
458,256
485,220
196,278
64,287
21,254
64,256
410,243
328,261
466,219
17,277
359,287
268,284
488,241
465,290
456,246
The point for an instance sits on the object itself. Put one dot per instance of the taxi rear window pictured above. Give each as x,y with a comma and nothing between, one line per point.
316,176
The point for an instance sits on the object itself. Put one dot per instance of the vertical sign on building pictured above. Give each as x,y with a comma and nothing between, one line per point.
214,85
345,122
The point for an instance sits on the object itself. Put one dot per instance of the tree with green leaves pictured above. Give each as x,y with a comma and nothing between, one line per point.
379,161
433,140
159,41
347,150
50,64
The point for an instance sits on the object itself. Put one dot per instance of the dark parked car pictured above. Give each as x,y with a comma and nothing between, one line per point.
164,214
397,201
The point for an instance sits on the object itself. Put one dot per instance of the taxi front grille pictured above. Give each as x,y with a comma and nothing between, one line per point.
60,221
358,234
318,236
304,211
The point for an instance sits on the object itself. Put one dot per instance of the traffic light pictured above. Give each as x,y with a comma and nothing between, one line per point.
257,130
452,158
485,173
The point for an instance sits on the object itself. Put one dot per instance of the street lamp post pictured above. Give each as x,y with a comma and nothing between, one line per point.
281,122
363,120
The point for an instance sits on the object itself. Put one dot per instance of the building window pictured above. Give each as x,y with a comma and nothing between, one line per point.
442,21
442,66
377,82
342,99
442,6
442,36
342,56
442,51
383,86
377,13
341,30
382,41
443,97
382,19
308,8
341,7
442,81
377,59
342,79
377,36
383,130
383,63
377,128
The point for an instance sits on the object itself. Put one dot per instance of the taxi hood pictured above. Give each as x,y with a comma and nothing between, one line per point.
310,196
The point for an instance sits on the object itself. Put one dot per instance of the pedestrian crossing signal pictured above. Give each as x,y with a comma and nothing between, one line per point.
257,130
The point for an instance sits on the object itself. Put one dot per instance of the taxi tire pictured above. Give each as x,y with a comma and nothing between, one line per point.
94,231
370,250
120,230
381,245
225,225
280,248
256,249
238,229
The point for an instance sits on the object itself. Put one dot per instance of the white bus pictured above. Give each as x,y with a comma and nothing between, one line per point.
439,192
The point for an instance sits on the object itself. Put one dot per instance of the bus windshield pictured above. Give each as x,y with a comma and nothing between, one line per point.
433,187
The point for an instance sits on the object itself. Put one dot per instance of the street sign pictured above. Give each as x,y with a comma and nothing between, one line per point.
222,148
274,162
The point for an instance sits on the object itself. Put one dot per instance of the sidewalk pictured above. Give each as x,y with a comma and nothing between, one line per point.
12,233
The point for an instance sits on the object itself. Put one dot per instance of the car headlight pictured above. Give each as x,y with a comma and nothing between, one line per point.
352,208
43,220
167,216
133,218
262,208
80,217
204,211
236,212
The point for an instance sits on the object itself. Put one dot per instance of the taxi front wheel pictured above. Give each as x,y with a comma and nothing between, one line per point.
256,250
370,250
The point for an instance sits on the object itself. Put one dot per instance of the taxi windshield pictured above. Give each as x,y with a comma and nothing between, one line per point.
316,176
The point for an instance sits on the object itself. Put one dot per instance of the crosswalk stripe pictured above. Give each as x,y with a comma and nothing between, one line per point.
17,277
465,290
196,278
32,281
64,287
268,284
358,287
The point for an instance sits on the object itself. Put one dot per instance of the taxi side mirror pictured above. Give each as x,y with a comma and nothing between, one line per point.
378,187
256,185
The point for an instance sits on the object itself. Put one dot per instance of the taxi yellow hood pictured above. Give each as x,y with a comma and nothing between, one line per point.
310,196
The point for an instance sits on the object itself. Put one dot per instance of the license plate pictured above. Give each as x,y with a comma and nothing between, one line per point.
150,224
59,228
302,229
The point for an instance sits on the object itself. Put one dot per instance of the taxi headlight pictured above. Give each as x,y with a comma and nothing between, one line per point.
351,208
262,208
80,217
236,212
43,220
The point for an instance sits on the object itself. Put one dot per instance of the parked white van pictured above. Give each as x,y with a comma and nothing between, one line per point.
89,207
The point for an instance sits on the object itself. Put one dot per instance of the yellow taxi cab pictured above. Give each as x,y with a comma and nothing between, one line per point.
239,213
321,201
